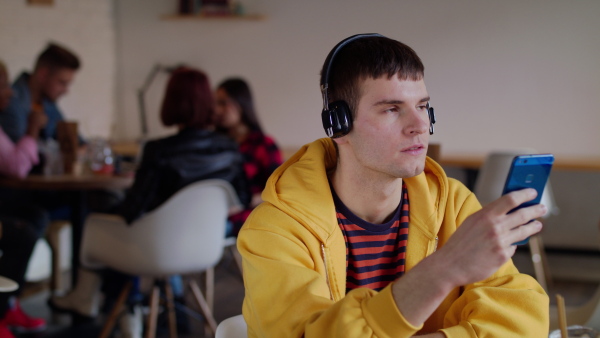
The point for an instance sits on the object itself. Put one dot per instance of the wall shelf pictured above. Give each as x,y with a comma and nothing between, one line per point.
245,17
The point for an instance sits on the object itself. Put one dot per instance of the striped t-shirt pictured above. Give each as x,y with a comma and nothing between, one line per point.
375,253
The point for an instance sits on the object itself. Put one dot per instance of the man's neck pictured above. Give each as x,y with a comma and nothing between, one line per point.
35,89
371,196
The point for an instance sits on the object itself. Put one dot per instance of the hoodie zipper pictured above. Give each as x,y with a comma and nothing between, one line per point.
435,245
326,272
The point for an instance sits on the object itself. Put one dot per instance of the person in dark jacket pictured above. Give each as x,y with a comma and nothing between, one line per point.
195,153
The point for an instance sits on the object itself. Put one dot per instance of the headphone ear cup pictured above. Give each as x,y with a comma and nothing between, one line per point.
337,121
431,114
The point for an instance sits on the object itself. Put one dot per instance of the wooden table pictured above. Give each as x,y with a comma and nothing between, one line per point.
126,148
77,187
67,182
566,162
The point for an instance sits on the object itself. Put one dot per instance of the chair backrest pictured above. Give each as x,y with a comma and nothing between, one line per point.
183,235
232,327
492,175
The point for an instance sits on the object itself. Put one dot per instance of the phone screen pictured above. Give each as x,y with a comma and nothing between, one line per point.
529,171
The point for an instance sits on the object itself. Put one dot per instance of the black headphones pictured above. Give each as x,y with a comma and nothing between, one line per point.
336,116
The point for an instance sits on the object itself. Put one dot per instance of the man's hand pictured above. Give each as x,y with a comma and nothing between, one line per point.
484,241
36,121
479,247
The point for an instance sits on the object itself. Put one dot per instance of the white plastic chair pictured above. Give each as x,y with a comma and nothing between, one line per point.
232,327
7,284
492,175
51,255
488,188
184,235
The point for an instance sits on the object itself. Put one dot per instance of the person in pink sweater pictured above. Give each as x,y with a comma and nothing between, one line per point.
19,233
17,159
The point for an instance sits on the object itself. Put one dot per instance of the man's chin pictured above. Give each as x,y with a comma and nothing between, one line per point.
409,172
417,171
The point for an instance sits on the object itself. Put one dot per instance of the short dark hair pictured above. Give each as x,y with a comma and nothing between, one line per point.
239,91
56,57
188,100
369,57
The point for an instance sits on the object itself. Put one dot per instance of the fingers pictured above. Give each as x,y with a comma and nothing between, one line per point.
522,221
517,225
513,199
524,231
526,214
38,118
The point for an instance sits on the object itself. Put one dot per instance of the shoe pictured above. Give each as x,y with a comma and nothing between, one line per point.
17,320
84,299
131,323
5,332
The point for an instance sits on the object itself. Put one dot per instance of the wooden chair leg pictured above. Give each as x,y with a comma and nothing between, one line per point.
151,326
210,320
171,309
210,288
55,278
540,263
116,310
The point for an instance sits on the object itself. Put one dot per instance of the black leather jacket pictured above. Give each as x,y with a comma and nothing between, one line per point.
171,163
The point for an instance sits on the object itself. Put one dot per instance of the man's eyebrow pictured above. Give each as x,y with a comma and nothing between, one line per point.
398,102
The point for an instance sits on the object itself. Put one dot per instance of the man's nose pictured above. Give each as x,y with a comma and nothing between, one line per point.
419,122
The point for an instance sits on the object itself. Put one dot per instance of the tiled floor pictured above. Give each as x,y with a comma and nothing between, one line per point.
576,278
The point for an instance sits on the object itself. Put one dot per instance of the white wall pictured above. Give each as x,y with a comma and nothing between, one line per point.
84,26
524,69
501,74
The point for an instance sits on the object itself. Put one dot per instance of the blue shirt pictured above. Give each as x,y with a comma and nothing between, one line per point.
14,119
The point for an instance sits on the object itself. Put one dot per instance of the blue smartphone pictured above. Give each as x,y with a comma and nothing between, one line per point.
528,171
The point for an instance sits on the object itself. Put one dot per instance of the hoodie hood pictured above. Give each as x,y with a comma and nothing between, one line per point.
304,177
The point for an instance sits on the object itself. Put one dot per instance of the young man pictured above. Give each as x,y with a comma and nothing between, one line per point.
362,235
53,73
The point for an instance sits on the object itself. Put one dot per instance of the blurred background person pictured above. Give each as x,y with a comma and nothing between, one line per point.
21,224
39,91
236,117
169,164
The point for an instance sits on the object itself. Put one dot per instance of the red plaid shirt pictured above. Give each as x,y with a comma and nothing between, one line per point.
261,158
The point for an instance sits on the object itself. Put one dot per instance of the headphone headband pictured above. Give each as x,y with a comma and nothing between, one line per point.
336,49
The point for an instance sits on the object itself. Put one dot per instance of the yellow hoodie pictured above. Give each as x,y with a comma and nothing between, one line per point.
294,262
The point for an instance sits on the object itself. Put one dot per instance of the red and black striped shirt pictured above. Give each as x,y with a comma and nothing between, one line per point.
375,253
